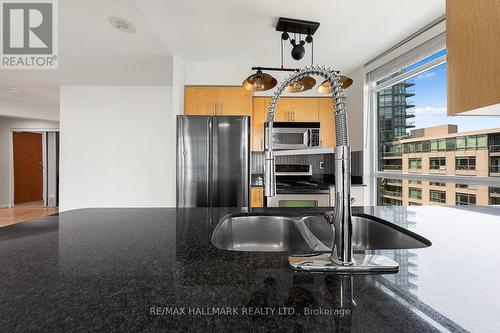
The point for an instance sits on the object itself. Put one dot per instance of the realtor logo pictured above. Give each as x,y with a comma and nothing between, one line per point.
29,38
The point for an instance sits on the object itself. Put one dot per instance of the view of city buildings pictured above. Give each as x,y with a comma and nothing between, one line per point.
438,150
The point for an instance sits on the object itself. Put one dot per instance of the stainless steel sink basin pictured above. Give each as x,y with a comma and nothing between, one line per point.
259,234
310,234
368,234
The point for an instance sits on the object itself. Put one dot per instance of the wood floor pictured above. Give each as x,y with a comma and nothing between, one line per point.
30,204
10,216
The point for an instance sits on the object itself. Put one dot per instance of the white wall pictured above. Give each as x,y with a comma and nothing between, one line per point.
117,147
357,111
178,74
355,108
32,110
6,124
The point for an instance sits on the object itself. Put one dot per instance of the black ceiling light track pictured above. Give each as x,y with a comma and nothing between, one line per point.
295,26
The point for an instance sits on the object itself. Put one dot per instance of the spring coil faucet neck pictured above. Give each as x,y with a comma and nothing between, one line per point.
342,250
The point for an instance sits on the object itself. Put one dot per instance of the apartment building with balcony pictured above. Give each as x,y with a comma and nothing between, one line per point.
441,150
394,117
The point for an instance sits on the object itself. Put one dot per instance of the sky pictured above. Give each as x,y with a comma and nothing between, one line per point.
430,102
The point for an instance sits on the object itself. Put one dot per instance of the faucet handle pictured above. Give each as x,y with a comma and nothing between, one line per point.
330,216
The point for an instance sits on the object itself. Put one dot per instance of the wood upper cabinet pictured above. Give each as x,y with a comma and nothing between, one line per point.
200,101
234,101
257,197
217,101
327,123
304,109
283,111
260,106
472,54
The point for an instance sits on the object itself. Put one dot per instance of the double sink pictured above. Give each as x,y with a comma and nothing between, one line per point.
309,234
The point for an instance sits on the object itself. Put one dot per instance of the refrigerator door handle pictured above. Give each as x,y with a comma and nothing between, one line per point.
210,161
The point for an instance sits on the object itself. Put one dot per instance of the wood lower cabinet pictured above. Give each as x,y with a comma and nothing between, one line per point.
217,101
257,197
327,127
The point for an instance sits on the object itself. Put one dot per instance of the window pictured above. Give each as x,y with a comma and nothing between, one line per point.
437,163
415,193
438,145
451,144
408,99
461,143
465,199
482,142
465,186
437,196
471,143
465,163
415,163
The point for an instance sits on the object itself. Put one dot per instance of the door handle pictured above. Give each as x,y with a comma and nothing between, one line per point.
261,144
215,109
221,111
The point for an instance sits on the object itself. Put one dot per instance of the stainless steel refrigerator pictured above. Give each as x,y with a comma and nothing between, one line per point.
213,155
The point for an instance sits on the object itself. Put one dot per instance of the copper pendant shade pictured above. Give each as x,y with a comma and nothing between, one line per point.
259,82
301,85
326,87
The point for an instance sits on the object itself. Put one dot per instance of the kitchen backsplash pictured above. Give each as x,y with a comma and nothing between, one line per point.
257,162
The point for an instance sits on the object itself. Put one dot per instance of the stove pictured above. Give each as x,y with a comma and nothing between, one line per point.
296,187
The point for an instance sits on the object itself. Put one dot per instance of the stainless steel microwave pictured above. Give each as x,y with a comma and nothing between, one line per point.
295,135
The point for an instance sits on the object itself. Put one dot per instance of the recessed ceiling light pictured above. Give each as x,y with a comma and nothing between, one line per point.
16,91
121,24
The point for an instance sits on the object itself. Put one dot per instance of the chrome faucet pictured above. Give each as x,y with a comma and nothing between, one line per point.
341,257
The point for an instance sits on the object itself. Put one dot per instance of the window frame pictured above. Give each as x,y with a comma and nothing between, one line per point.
371,134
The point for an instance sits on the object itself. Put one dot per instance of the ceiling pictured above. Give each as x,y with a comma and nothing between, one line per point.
94,53
91,52
351,32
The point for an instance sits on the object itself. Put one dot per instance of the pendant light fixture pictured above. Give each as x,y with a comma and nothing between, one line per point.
326,87
292,30
259,82
301,85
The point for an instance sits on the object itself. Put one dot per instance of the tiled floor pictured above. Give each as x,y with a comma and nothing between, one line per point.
10,216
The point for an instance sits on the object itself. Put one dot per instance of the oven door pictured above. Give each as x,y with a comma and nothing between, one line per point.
291,138
299,200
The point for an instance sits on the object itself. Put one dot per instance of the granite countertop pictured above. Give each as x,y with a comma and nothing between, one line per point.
156,270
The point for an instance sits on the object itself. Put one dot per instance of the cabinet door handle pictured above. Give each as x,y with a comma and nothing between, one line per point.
261,144
221,109
293,119
215,109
